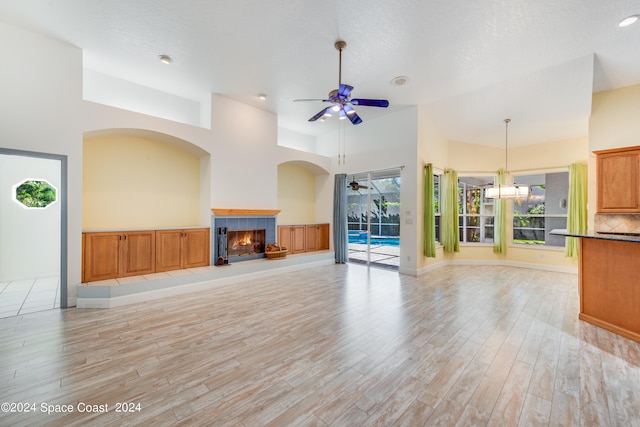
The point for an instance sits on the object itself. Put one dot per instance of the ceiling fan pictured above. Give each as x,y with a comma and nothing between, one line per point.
340,99
354,185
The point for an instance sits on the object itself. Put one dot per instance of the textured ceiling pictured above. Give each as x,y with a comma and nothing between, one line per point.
469,63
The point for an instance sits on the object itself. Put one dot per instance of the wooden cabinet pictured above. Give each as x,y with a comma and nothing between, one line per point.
118,254
609,285
107,255
317,237
618,180
304,238
178,249
292,237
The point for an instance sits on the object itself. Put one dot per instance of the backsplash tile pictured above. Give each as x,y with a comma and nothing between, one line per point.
618,223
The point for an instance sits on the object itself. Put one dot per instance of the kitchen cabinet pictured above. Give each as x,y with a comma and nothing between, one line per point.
108,255
304,237
617,180
179,249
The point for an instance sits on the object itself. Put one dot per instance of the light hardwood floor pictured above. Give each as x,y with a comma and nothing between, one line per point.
340,345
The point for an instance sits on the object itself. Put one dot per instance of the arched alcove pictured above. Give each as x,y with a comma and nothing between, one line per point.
299,189
141,178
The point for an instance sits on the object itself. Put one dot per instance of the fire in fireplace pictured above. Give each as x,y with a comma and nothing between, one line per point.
245,242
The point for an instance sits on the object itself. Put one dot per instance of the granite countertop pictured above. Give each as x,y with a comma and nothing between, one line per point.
622,237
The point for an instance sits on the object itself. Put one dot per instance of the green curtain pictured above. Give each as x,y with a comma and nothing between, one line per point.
429,234
500,220
577,206
449,224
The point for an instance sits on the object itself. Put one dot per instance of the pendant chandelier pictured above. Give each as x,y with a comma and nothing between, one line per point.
507,191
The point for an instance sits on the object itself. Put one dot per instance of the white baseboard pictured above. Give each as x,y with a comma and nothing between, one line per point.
506,263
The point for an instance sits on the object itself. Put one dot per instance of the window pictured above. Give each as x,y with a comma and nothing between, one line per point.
34,194
544,210
475,211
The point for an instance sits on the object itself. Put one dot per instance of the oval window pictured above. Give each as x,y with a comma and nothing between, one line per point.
35,193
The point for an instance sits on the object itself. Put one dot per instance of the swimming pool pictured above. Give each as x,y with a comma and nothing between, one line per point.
361,237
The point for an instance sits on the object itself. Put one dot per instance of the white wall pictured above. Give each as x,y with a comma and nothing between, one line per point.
109,90
41,87
296,140
244,163
29,238
383,143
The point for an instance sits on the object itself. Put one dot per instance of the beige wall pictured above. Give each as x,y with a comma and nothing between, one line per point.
613,124
614,119
296,195
131,182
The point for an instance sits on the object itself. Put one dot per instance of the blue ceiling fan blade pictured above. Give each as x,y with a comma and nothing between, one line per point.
355,119
370,102
344,91
320,114
352,115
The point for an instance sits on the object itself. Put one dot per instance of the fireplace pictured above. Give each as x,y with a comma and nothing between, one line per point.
241,235
245,242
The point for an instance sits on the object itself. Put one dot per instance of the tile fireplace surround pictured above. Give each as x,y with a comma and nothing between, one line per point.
242,219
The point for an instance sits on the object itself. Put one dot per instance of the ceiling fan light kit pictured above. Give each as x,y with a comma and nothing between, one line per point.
340,99
507,191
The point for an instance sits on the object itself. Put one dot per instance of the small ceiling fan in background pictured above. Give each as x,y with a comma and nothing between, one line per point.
340,99
355,186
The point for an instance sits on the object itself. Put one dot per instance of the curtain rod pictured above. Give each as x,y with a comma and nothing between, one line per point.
465,172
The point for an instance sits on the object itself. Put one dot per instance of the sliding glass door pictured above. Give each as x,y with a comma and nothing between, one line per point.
373,215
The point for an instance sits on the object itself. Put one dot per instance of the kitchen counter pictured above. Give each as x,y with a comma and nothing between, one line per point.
621,237
609,283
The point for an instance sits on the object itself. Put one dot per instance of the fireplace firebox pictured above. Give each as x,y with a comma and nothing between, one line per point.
241,225
245,242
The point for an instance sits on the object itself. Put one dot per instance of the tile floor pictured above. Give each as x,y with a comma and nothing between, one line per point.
383,256
28,296
152,276
31,295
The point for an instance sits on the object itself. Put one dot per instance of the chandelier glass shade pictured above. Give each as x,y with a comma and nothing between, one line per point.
501,191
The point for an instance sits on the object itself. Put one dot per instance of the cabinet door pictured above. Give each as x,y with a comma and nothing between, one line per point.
617,182
284,237
297,239
195,248
139,253
311,237
101,256
323,237
168,250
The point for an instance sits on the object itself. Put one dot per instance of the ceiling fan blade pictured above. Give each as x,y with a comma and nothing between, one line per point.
344,91
308,99
370,102
320,114
352,115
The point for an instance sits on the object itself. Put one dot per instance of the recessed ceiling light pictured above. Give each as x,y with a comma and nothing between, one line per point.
262,97
400,80
629,20
165,59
